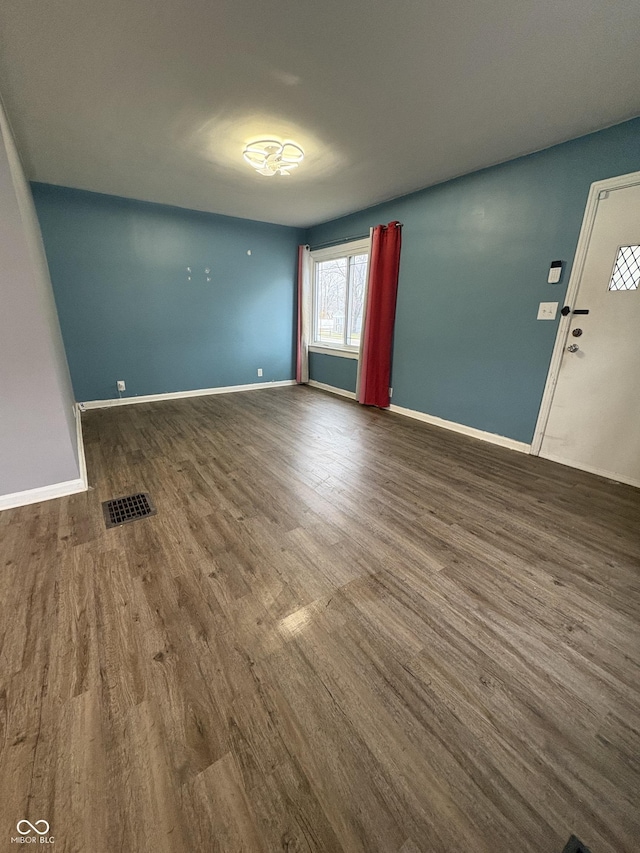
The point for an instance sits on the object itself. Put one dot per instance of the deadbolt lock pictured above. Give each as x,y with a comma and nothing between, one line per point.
576,333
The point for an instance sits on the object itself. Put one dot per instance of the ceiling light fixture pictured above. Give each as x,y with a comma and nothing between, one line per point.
271,157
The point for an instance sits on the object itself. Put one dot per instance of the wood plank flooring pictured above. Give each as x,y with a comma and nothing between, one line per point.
343,631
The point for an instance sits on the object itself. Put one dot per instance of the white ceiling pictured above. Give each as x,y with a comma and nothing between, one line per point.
153,99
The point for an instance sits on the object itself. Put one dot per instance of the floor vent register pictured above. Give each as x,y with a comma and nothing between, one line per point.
130,508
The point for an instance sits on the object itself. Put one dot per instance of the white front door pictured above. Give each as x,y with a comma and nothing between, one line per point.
594,419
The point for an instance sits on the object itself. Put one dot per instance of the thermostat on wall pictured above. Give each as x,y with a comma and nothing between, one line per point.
555,271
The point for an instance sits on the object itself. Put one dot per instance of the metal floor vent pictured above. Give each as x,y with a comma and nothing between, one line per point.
574,845
130,508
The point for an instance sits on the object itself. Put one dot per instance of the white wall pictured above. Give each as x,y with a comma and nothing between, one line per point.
39,453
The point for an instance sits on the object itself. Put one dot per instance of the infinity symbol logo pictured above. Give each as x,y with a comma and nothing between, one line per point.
33,827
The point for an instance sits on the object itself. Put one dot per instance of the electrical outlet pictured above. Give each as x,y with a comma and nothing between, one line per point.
259,371
122,385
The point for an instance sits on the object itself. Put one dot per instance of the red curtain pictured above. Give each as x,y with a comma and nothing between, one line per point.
380,315
304,314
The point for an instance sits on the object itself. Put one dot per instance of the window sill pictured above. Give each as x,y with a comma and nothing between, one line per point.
328,350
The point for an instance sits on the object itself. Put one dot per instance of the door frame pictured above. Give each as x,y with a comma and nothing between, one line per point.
597,191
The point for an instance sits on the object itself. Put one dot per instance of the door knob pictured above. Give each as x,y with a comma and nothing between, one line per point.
573,348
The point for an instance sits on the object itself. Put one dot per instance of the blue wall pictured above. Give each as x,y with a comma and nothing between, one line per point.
333,370
475,257
128,312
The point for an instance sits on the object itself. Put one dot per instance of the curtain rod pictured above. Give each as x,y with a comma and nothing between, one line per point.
338,242
344,240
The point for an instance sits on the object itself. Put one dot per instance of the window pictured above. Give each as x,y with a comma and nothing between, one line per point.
626,271
339,283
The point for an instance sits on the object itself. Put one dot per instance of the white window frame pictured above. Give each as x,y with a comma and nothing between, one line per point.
343,250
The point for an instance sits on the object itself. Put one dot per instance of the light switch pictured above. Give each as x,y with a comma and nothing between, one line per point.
547,310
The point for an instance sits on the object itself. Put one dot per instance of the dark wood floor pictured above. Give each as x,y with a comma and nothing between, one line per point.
343,631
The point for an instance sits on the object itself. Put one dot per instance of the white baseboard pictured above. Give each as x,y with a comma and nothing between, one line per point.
44,493
56,490
178,395
609,475
491,437
332,389
82,461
